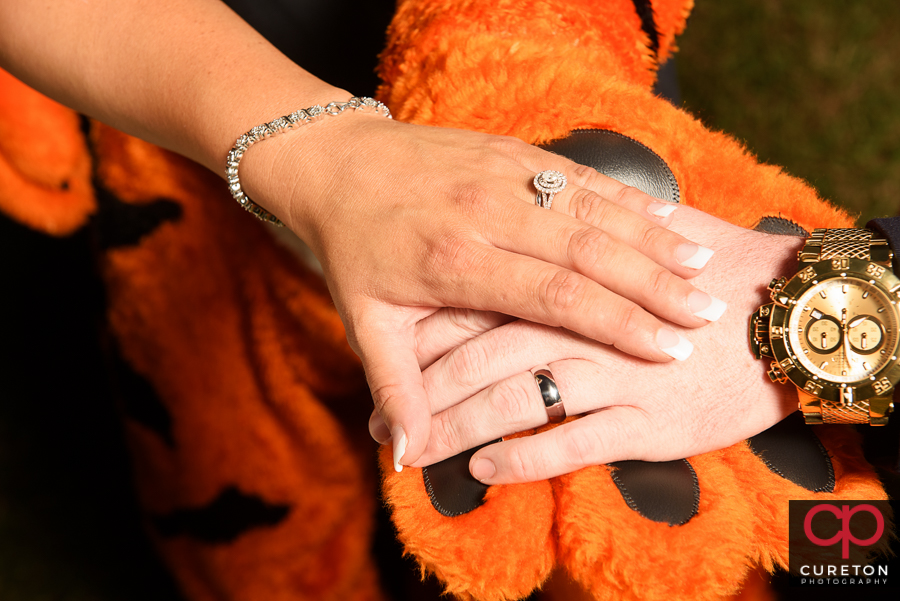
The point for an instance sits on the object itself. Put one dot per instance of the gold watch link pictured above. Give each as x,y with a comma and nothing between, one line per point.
845,243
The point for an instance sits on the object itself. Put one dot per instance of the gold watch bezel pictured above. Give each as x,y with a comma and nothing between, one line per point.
785,300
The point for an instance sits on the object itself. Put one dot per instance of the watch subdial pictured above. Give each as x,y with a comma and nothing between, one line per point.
865,334
825,334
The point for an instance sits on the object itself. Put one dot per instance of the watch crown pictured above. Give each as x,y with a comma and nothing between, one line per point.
761,330
775,287
760,344
776,374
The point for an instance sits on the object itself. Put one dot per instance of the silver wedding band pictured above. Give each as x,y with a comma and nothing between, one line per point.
556,411
548,183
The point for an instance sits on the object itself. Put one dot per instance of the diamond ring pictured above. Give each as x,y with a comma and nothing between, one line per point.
548,183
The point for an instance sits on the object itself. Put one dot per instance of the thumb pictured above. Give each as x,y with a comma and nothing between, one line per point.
395,380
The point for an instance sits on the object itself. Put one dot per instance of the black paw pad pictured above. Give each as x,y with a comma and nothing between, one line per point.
665,491
791,450
780,225
452,489
622,158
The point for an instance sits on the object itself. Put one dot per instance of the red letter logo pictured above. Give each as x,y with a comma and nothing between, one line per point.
844,514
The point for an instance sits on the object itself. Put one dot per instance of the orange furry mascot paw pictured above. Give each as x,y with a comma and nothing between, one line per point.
576,76
246,410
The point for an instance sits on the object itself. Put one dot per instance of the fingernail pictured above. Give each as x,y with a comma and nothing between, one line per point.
705,306
661,209
399,447
693,256
378,429
483,469
674,345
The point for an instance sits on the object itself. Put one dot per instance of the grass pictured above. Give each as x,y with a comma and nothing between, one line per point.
811,86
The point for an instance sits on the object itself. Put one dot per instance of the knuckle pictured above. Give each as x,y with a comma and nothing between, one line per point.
452,254
508,145
471,199
627,195
386,396
511,402
445,437
471,323
521,466
478,322
628,320
583,173
467,321
659,283
562,291
590,207
652,237
582,447
466,363
589,247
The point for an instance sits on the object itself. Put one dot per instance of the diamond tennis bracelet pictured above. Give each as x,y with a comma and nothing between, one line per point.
279,125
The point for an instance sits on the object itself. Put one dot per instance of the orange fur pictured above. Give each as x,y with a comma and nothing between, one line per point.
45,169
755,588
617,554
247,353
671,18
487,567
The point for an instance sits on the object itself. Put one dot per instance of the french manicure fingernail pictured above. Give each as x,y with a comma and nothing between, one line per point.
661,209
483,469
673,344
693,256
399,447
378,429
705,306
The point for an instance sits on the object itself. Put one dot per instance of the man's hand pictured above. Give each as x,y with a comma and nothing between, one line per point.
631,408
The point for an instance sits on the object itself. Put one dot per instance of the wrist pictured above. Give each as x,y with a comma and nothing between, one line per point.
246,111
292,170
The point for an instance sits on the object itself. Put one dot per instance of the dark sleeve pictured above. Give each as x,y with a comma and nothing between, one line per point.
889,228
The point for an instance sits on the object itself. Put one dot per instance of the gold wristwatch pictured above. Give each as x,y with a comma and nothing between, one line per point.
832,330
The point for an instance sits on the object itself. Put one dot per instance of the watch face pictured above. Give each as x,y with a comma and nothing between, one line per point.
834,329
843,329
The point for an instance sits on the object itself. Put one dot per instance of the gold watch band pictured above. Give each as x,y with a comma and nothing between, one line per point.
874,411
841,245
845,243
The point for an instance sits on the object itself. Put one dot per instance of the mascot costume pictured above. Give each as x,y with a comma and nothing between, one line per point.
246,410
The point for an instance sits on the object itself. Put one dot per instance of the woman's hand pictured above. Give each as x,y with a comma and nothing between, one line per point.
408,219
632,409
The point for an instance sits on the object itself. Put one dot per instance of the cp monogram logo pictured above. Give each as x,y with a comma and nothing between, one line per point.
844,536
